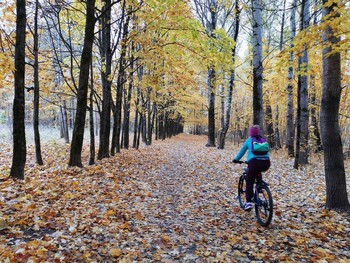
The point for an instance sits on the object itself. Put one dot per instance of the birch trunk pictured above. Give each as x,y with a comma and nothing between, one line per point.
258,114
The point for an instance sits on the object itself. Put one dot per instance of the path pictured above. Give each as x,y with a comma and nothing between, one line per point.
174,201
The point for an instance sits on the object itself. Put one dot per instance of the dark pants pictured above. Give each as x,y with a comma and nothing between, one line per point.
255,167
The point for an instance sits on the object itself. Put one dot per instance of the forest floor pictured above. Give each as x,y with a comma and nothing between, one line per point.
174,201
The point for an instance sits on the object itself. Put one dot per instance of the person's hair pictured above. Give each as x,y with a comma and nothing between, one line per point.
254,130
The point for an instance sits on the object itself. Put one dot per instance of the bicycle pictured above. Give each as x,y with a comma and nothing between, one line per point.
262,198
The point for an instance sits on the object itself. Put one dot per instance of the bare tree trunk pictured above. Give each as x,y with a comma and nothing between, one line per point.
211,109
86,57
38,155
226,124
106,56
290,104
314,123
258,113
120,83
269,125
65,122
91,111
302,150
336,193
19,138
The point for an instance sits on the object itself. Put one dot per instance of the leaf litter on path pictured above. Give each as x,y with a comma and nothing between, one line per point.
174,201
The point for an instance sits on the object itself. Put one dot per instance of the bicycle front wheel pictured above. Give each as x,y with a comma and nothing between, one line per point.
241,190
264,206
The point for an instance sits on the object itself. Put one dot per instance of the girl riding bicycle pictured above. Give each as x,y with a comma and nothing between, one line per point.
257,162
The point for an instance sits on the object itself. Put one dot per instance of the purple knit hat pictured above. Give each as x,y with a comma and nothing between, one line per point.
254,130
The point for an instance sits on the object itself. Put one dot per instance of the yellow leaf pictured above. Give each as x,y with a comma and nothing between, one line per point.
116,252
166,238
125,225
110,212
3,224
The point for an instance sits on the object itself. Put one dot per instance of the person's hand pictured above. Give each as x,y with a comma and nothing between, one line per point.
235,161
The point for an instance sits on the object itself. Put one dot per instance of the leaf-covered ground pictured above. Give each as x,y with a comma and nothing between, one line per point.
174,201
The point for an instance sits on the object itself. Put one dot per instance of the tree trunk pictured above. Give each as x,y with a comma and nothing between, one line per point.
19,138
106,56
91,111
65,122
269,125
302,150
314,123
211,109
258,114
79,124
120,83
226,124
336,194
290,104
38,155
277,132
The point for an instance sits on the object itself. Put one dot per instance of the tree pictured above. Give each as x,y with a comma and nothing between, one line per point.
39,158
86,57
336,194
208,13
120,83
19,138
226,117
302,138
258,114
290,103
106,57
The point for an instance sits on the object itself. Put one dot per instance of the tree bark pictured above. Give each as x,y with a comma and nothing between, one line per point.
120,82
106,56
91,111
290,103
302,150
38,155
258,113
226,124
336,194
79,124
211,109
19,138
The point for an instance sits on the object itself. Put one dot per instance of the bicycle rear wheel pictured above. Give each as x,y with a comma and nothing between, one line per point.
241,190
264,206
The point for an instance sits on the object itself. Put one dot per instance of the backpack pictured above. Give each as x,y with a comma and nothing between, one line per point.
259,145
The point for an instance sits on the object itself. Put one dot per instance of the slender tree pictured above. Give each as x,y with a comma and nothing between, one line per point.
290,103
208,14
115,147
106,56
39,158
336,194
79,124
302,150
227,111
19,138
258,114
91,115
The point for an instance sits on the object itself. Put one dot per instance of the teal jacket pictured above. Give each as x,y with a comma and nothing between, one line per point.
247,145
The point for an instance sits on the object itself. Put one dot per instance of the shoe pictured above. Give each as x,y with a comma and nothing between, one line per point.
248,206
